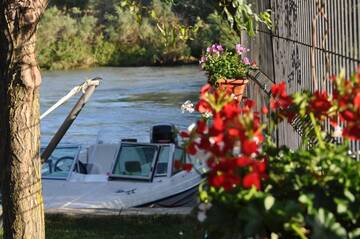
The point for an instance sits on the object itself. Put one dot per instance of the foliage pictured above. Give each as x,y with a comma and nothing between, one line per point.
219,63
116,32
59,34
214,29
121,33
173,35
271,192
191,10
242,17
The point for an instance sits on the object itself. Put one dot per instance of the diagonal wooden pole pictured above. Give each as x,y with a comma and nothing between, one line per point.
70,118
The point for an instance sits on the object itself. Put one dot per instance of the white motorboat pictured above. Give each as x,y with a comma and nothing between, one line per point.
122,175
116,175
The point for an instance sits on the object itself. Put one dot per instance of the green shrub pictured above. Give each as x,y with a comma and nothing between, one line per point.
215,29
116,32
65,42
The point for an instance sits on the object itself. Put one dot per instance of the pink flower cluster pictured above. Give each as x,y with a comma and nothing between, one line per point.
218,49
215,48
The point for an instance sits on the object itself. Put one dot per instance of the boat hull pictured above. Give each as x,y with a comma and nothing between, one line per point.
179,190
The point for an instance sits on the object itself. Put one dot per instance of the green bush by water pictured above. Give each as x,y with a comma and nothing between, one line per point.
127,33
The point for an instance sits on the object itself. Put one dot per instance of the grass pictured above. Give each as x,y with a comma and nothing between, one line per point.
122,227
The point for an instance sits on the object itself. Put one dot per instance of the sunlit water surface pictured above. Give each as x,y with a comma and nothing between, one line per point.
125,105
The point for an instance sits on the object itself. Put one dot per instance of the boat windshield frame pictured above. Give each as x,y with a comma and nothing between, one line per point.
153,164
72,167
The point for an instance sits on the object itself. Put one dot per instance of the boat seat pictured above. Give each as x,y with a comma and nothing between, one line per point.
133,167
161,168
101,158
93,168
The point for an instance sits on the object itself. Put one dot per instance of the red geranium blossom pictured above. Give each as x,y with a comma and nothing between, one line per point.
202,106
249,147
252,179
187,167
320,104
280,99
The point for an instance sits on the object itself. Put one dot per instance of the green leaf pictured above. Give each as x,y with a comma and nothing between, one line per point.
355,234
269,202
349,195
341,208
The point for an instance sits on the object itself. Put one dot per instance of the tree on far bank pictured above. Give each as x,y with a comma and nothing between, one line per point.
23,210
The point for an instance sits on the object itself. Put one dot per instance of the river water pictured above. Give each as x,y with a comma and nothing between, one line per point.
126,104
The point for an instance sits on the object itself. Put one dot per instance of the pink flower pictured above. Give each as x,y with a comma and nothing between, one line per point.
240,49
203,59
246,61
219,48
215,48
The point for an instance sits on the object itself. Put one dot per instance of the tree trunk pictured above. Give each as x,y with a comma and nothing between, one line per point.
23,211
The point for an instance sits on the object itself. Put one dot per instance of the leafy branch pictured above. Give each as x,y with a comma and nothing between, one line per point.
241,16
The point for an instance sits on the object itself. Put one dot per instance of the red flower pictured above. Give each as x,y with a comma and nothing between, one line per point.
352,131
204,143
249,147
216,180
184,134
250,104
357,100
231,110
320,104
202,106
280,99
218,123
233,132
252,179
187,167
201,127
281,102
177,164
279,89
191,149
215,150
211,163
227,181
347,115
265,110
205,89
231,181
289,115
260,167
243,161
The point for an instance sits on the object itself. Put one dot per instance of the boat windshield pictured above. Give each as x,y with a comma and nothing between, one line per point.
60,163
163,161
135,161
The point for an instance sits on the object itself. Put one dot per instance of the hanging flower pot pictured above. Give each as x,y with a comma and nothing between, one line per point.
237,86
227,68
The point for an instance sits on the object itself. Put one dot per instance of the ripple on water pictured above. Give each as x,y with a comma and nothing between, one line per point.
126,104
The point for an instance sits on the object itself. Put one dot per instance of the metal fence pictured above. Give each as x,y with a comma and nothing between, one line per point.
311,40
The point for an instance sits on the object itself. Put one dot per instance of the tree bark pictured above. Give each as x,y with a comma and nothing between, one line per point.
23,211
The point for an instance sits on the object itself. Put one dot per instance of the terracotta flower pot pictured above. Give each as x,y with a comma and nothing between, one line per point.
236,85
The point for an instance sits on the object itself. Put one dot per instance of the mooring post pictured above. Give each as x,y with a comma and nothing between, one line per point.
91,86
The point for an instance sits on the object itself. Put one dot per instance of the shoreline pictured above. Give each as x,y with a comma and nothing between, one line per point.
176,64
